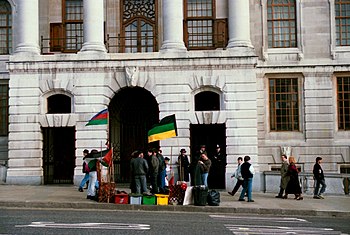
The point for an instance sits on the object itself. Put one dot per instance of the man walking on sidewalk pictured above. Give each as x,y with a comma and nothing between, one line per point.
284,176
238,176
247,171
319,178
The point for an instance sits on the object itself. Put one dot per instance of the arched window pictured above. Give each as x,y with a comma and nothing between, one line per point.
139,26
206,101
59,104
5,28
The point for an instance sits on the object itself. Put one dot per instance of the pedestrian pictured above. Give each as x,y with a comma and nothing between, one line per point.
139,169
218,168
85,171
161,171
284,176
238,176
183,166
134,154
204,164
319,178
293,186
248,172
154,169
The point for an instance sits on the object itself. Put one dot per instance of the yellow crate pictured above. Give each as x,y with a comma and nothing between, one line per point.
162,199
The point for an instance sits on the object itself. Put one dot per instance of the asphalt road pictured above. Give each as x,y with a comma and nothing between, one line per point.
36,221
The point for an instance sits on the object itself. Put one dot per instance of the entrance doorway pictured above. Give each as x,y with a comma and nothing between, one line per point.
59,155
210,135
132,112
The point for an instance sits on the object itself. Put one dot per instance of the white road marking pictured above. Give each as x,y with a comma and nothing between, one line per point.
275,219
111,226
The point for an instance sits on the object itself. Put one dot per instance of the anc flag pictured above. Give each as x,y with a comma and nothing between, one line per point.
105,157
166,128
99,119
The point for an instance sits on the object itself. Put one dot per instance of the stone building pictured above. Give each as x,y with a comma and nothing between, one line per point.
258,77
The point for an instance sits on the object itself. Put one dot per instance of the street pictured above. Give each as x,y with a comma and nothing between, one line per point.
67,221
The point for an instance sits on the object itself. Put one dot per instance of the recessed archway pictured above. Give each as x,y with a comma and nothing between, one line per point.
132,112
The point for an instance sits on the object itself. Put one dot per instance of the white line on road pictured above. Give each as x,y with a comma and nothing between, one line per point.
275,219
111,226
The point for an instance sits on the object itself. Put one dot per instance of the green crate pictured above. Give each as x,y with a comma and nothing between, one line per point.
148,200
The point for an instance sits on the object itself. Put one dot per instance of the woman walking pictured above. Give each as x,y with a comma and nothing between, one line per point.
293,186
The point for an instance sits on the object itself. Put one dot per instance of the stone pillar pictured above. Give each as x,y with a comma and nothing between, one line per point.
93,26
238,24
173,25
28,27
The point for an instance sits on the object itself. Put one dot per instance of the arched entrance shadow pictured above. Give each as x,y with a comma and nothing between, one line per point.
132,112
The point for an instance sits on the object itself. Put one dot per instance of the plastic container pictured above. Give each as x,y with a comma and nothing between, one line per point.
121,198
148,200
162,199
135,199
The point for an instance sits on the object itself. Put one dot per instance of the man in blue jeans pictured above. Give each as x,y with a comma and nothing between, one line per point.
247,171
319,178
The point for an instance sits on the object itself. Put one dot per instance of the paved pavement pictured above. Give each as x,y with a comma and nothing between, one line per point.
63,196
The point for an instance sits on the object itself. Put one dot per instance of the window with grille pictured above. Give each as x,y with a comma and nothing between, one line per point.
139,26
281,23
5,28
4,109
73,24
199,24
342,22
343,99
284,104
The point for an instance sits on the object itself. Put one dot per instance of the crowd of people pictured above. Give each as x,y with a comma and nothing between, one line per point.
152,174
289,184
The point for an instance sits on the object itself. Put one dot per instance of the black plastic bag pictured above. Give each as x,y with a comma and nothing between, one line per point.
213,198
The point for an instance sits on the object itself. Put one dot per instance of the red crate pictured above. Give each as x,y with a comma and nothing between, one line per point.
121,198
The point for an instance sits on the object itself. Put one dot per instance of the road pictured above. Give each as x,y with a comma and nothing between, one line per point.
36,221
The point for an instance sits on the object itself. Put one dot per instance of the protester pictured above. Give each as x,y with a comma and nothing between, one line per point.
319,178
161,172
183,166
154,169
293,186
248,172
85,170
238,176
139,169
168,172
195,173
91,193
204,164
284,176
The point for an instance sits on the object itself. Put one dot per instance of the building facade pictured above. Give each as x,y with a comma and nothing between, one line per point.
259,78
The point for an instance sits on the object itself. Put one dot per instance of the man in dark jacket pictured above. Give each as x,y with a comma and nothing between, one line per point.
247,171
139,169
319,178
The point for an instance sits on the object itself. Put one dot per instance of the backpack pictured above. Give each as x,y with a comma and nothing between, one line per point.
213,198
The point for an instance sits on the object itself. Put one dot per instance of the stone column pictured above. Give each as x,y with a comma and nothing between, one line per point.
238,24
28,27
173,25
93,26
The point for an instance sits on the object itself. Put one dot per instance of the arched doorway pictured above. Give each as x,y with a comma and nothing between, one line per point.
132,112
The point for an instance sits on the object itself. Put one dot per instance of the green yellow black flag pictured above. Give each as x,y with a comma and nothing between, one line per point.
165,129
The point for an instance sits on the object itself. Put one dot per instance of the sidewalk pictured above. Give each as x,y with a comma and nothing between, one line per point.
53,196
